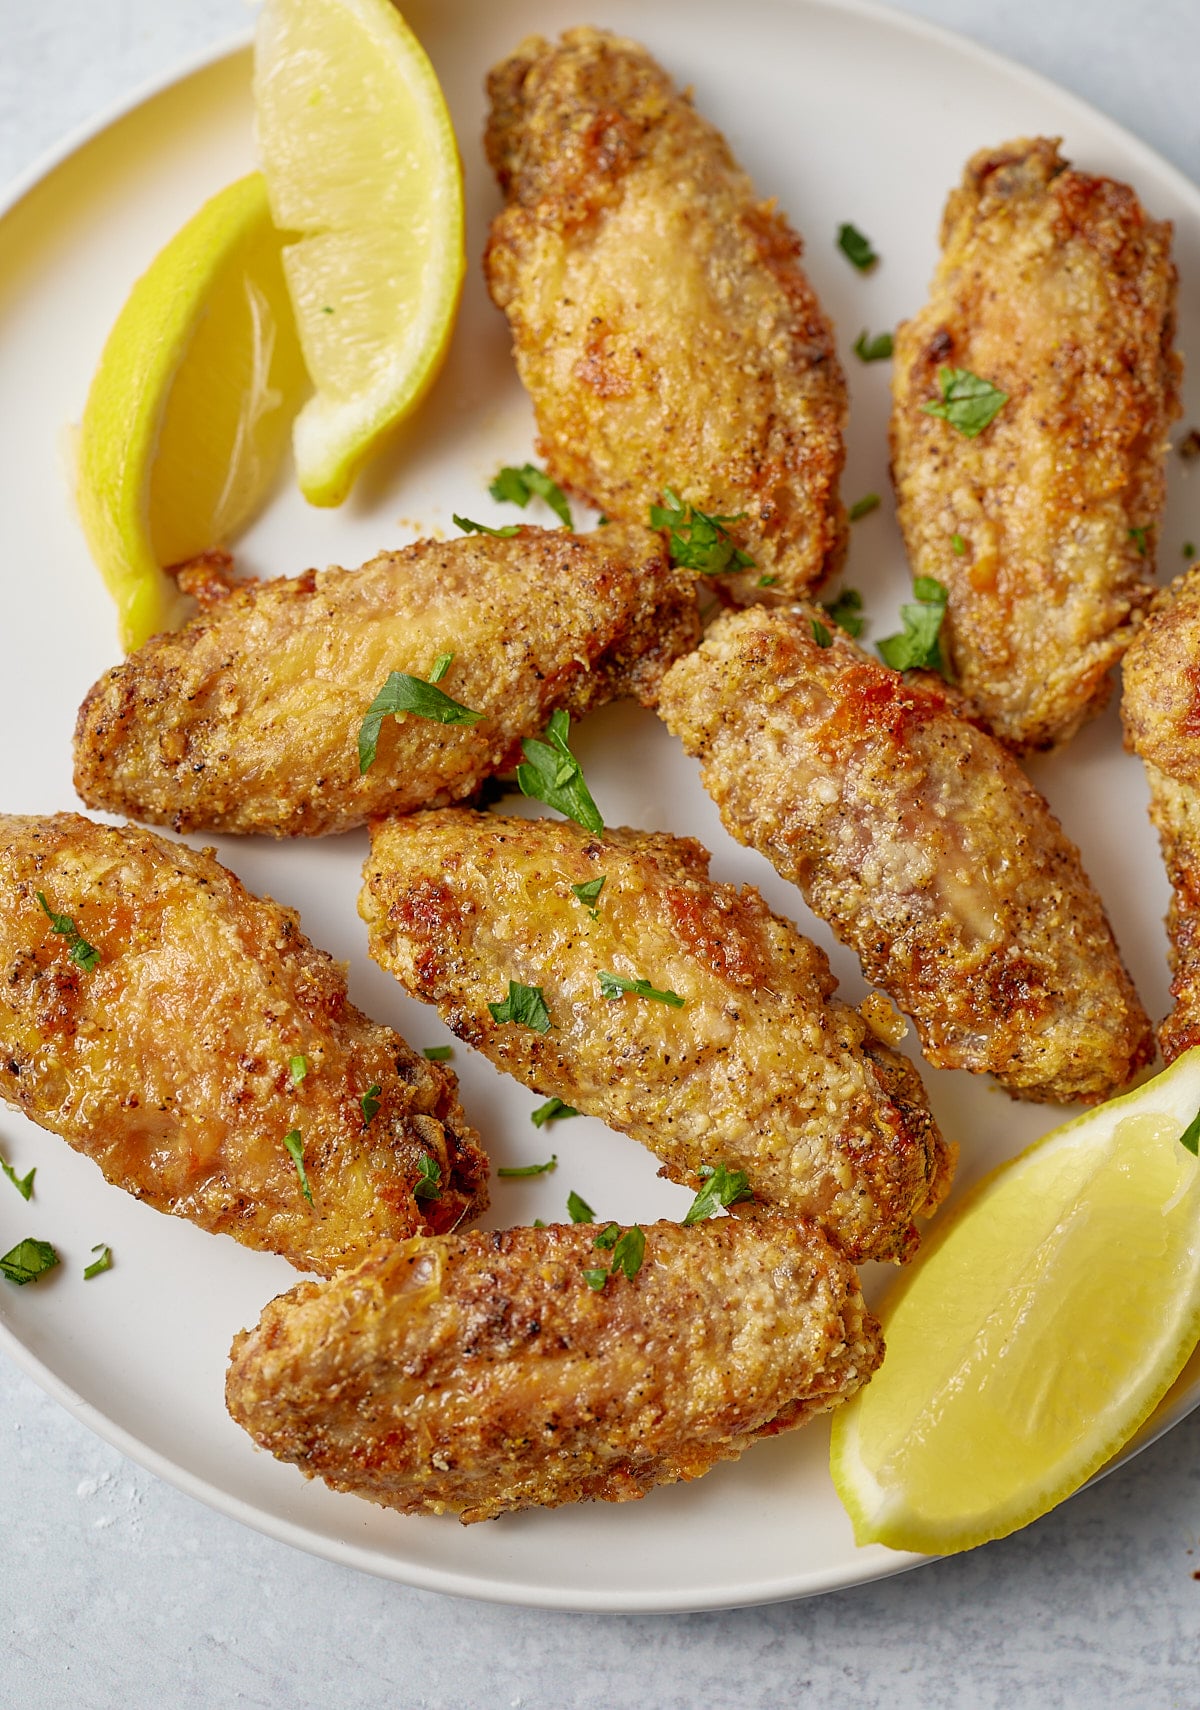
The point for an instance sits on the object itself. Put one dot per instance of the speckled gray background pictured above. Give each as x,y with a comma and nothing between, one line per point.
117,1592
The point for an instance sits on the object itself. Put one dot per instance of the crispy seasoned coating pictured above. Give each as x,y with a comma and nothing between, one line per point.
247,719
1057,288
661,321
1160,705
922,843
169,1063
761,1068
479,1373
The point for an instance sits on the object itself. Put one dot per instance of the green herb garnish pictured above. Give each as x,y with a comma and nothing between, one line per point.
920,644
578,1210
405,694
550,773
589,893
295,1147
505,533
28,1261
846,611
876,349
438,1053
298,1066
525,1005
23,1184
821,635
1189,550
518,486
1138,537
697,540
531,1169
856,248
616,985
553,1110
724,1187
766,581
864,506
1190,1138
968,403
440,666
628,1250
428,1184
103,1263
82,953
369,1104
595,1278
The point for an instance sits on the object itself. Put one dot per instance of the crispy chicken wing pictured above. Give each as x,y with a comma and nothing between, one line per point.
661,321
156,1022
480,1373
248,718
1161,708
759,1067
922,843
1058,289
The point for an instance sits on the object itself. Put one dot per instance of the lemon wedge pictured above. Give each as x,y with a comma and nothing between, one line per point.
189,410
1044,1324
361,161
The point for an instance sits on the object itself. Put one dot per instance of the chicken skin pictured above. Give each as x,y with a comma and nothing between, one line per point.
479,1373
922,843
1161,708
248,718
661,321
187,1037
1059,290
745,1058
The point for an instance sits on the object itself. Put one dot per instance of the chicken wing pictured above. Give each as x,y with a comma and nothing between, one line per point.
248,718
1160,705
922,843
187,1037
480,1373
745,1057
1058,289
661,321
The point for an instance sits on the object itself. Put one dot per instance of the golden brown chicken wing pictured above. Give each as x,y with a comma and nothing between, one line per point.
661,321
744,1058
1058,289
922,843
1160,705
188,1038
248,718
479,1373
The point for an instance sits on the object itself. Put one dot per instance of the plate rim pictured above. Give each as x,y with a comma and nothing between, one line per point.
343,1551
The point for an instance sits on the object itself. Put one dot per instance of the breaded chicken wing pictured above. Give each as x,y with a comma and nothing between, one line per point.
661,321
1160,705
1057,288
746,1058
922,843
479,1373
181,1033
248,718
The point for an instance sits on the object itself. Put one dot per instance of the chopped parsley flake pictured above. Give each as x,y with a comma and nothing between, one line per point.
550,773
968,403
428,1184
298,1066
531,1169
856,248
766,581
1138,537
369,1104
295,1147
919,645
85,955
616,985
438,1053
28,1261
957,545
103,1263
1189,550
578,1210
469,527
589,893
697,540
821,635
524,1005
864,506
724,1187
876,349
23,1184
628,1251
518,486
846,611
405,694
554,1110
1190,1138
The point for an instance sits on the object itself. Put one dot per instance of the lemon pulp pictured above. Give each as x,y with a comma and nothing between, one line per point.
189,411
1047,1320
363,172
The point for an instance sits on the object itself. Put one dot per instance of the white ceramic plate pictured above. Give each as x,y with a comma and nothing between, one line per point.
844,113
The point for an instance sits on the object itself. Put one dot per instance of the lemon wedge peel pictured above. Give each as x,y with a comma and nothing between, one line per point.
1046,1321
364,175
187,415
